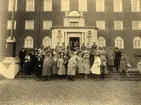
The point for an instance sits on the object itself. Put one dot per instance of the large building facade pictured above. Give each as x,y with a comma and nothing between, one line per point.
111,23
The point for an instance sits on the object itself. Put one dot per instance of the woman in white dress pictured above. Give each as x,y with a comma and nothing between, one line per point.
61,67
95,69
86,65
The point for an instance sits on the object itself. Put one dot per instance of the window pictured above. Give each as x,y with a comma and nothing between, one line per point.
82,5
73,24
118,25
46,41
117,5
136,25
65,5
10,5
119,42
101,42
9,24
100,6
47,25
29,25
30,5
47,5
100,25
135,5
28,42
137,43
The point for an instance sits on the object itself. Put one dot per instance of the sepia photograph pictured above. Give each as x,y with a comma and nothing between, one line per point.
70,52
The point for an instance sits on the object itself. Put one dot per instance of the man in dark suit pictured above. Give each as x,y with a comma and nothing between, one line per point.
117,59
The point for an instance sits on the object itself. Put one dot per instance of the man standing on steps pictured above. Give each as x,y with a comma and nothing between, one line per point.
117,59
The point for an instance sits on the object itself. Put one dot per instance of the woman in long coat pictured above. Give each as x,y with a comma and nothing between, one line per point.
54,65
95,69
123,64
61,67
86,65
47,64
80,64
103,64
72,67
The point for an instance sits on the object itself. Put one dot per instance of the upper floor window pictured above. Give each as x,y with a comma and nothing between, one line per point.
65,5
101,42
100,6
118,25
9,24
47,5
136,25
135,5
137,43
30,5
119,42
47,25
117,5
10,5
100,25
82,5
29,25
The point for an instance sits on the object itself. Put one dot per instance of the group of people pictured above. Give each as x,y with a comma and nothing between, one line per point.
60,62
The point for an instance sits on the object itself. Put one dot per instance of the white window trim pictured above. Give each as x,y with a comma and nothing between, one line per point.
120,9
10,5
133,28
9,24
116,44
27,9
62,7
26,25
46,4
134,41
45,44
85,6
27,44
104,42
100,4
121,25
102,26
45,23
132,6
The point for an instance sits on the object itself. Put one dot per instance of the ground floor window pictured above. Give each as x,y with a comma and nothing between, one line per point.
28,42
47,41
119,42
101,42
137,43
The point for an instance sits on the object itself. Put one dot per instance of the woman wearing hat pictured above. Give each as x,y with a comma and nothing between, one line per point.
86,65
47,64
95,69
54,65
61,66
72,67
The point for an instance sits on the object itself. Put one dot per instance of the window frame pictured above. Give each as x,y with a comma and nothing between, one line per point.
27,6
85,5
98,4
132,6
45,24
26,25
45,6
67,7
120,9
115,25
103,22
